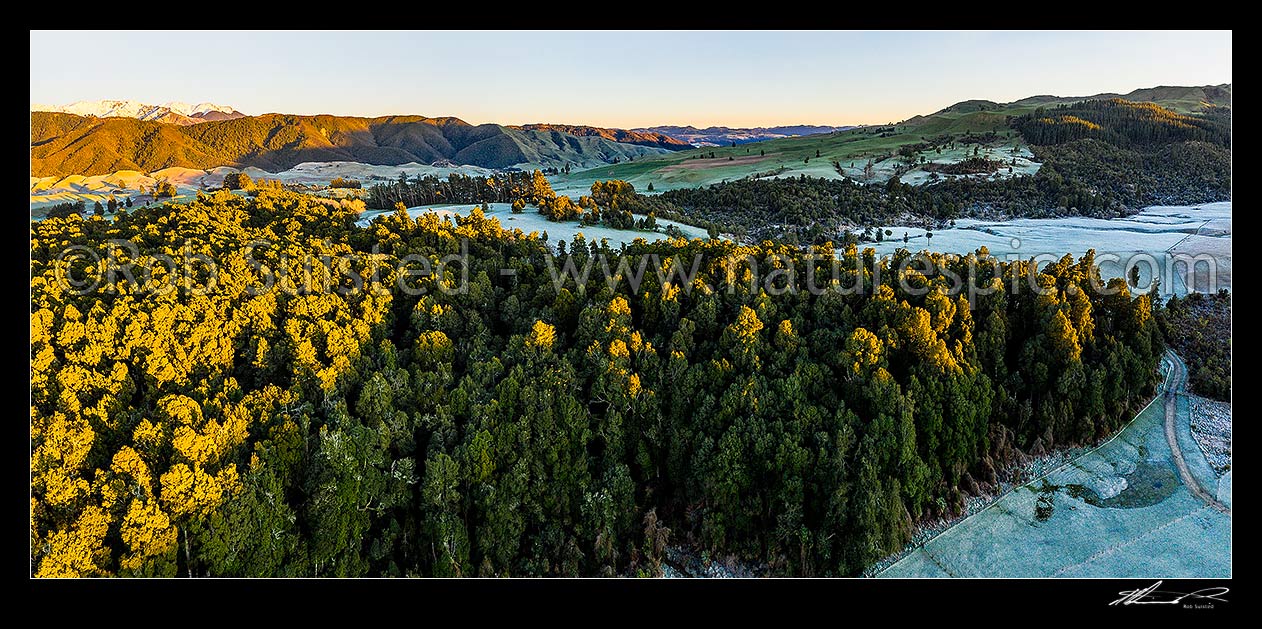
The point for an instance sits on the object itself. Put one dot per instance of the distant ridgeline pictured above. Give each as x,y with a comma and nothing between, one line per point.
1099,158
518,427
66,144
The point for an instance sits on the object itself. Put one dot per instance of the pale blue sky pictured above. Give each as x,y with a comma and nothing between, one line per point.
622,79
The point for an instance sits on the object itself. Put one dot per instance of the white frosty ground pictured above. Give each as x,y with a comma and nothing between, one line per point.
124,183
532,221
1180,536
1157,230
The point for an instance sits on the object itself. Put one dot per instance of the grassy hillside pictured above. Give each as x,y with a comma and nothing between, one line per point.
1101,158
1179,99
814,155
63,144
944,139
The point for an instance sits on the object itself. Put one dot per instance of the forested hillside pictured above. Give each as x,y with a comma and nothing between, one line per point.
1139,153
1123,123
268,427
643,137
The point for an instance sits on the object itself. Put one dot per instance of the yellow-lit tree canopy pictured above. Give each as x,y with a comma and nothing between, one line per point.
274,418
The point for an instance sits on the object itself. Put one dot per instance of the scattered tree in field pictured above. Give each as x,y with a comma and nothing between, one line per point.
237,181
163,189
338,182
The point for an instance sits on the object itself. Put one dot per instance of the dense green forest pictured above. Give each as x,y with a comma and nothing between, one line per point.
1198,326
520,428
811,210
1123,123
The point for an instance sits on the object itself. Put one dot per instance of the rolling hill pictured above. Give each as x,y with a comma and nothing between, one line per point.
64,144
1179,99
951,136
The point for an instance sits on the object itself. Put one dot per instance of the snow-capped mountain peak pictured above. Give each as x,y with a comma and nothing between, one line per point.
173,112
200,108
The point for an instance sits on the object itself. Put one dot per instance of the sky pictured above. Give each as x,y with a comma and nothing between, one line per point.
613,78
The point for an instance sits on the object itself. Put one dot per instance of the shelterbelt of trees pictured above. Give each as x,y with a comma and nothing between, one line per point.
613,203
516,428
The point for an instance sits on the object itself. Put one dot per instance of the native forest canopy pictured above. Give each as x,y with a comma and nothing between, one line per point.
277,418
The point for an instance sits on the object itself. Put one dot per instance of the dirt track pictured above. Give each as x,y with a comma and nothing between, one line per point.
1177,383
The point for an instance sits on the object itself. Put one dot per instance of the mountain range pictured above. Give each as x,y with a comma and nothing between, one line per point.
65,144
99,137
642,137
173,112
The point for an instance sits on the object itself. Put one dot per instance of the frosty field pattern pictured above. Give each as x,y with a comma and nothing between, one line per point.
1157,231
1124,509
532,221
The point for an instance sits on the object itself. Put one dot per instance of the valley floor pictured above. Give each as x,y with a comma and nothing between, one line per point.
532,221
